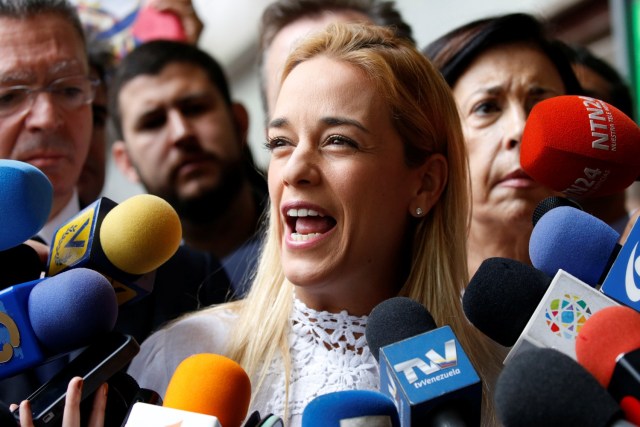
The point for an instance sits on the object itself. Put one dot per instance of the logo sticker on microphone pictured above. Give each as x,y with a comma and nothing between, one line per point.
13,341
565,316
71,241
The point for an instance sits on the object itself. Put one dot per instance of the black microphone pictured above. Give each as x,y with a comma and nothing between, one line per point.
543,387
19,264
423,369
502,296
517,306
552,202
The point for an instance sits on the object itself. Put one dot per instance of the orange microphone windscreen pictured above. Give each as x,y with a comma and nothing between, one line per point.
210,384
580,146
140,234
604,336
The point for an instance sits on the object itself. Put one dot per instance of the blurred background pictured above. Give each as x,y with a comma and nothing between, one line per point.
231,36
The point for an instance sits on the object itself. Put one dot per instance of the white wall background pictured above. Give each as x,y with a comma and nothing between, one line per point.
231,34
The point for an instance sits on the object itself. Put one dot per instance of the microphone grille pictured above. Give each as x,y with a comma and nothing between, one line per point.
552,202
396,319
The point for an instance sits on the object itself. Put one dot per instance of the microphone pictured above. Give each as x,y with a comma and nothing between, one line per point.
516,305
52,316
580,146
270,420
25,202
502,296
572,240
423,369
625,269
608,346
351,408
552,202
560,316
19,264
125,242
543,387
203,385
144,414
96,364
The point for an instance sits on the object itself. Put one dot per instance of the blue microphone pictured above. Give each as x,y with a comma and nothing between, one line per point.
423,368
47,317
351,408
569,239
622,282
25,202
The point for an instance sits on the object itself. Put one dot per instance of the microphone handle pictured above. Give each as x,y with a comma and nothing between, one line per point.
253,420
271,421
622,423
447,416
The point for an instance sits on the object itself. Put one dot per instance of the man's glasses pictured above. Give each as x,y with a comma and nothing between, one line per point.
69,93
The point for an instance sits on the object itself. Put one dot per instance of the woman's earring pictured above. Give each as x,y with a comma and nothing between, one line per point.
419,211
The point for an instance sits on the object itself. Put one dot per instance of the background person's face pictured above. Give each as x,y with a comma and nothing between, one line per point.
494,96
35,52
285,41
180,134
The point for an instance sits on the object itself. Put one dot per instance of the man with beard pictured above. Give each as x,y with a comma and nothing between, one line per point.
46,120
180,135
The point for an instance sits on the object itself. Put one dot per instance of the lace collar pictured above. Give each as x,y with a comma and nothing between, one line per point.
336,331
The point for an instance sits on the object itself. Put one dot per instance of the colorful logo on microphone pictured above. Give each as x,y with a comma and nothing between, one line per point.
565,316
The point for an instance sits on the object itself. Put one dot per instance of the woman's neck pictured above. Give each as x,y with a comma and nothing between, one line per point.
490,241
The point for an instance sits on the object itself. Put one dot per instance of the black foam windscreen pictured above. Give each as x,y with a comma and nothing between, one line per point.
502,296
394,320
543,387
19,264
552,202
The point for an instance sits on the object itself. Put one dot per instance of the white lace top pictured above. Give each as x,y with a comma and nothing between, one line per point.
328,353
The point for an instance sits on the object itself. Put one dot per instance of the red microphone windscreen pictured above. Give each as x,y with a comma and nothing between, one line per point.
604,336
580,146
210,384
631,408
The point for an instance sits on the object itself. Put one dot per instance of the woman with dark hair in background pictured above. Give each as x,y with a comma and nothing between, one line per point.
498,69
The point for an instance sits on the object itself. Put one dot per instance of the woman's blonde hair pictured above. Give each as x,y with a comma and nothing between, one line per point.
425,116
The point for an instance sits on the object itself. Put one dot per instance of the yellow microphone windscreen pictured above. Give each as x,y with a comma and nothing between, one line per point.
140,234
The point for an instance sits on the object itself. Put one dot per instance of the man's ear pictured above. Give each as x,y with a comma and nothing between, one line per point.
241,119
123,161
432,180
